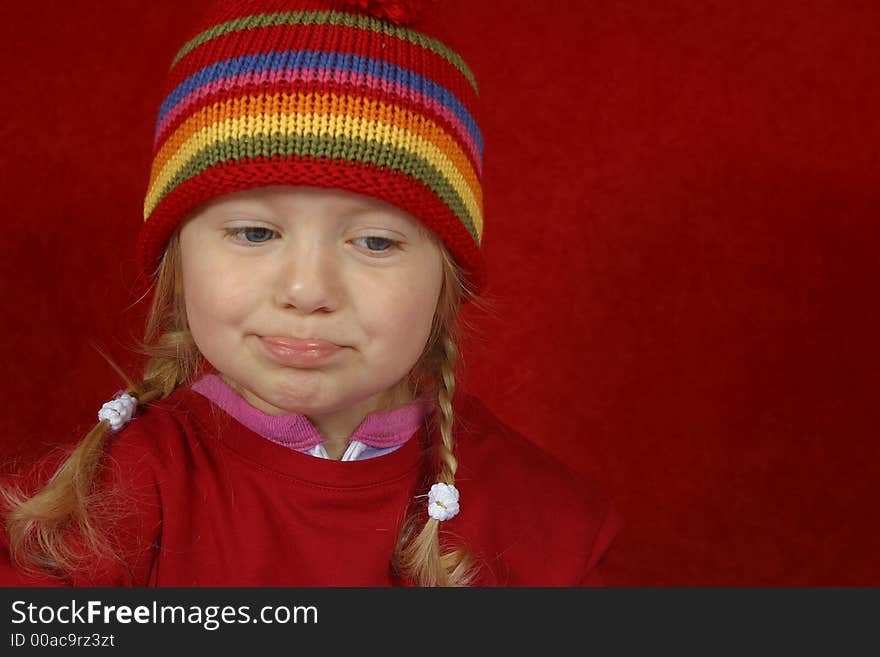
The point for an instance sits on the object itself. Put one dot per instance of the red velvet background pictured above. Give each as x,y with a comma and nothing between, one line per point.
681,200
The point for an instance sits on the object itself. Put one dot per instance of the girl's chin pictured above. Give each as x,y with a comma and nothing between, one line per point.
320,402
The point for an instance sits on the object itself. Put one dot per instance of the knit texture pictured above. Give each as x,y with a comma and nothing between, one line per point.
303,93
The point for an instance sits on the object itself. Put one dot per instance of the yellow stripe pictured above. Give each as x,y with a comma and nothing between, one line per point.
318,124
336,104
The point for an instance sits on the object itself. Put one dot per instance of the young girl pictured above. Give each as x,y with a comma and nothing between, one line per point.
312,226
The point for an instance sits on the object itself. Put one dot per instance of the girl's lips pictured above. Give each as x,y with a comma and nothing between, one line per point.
299,353
301,345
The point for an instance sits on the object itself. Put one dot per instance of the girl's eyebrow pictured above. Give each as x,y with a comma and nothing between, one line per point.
367,209
242,213
261,208
269,205
240,205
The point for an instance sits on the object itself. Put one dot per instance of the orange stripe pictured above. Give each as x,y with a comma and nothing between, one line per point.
331,104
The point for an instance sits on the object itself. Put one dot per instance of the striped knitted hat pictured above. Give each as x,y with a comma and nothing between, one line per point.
339,94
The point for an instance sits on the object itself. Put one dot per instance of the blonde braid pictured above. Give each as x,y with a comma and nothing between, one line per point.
445,391
419,558
43,528
57,530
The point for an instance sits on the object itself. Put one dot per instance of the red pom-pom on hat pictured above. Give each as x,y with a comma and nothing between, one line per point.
401,12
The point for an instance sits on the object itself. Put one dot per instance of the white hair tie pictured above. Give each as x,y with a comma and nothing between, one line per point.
118,411
443,501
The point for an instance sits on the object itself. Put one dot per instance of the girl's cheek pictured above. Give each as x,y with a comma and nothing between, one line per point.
230,299
213,292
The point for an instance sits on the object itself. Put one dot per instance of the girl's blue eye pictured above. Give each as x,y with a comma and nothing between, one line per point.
377,244
252,234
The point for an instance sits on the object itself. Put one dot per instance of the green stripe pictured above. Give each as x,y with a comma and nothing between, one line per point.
331,18
310,145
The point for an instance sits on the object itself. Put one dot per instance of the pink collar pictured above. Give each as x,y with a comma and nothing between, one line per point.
296,431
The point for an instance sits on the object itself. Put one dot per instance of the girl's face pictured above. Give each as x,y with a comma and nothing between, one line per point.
309,300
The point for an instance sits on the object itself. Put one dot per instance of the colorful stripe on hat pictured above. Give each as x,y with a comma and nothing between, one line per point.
329,18
233,99
335,67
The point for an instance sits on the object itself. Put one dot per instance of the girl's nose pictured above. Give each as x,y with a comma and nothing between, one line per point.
309,279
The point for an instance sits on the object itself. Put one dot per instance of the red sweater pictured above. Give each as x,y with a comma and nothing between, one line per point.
204,501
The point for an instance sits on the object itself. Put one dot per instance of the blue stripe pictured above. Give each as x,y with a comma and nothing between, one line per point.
275,60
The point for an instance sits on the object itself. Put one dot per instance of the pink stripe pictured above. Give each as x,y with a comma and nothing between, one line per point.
321,75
